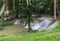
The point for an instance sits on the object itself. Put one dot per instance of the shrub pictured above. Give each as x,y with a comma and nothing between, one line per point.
4,23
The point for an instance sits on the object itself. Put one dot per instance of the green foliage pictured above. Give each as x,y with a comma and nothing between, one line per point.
1,3
27,7
34,6
5,23
58,7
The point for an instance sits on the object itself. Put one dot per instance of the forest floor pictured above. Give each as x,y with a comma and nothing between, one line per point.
50,35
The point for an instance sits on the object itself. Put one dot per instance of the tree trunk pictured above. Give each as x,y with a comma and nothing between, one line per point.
10,7
29,19
16,2
54,9
29,29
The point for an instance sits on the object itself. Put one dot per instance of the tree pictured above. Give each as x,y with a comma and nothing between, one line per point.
55,9
22,8
28,7
10,7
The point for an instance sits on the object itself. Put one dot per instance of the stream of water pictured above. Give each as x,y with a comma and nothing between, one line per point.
43,25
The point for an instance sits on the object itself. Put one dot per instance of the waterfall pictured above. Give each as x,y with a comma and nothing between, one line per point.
17,21
43,25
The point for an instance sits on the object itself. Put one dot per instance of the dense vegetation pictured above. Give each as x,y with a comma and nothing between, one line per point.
36,6
39,6
27,8
1,3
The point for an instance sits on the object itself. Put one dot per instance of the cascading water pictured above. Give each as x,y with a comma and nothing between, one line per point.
43,25
17,21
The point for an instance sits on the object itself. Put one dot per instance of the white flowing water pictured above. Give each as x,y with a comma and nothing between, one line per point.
36,25
44,25
52,26
17,21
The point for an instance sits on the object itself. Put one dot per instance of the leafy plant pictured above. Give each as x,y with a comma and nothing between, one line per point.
5,23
